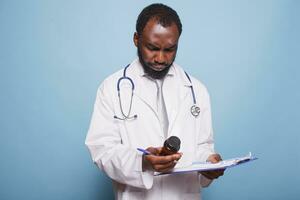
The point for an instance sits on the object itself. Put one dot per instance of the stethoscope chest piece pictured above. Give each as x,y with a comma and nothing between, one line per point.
195,110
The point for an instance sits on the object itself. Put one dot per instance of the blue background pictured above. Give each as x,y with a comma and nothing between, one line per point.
54,54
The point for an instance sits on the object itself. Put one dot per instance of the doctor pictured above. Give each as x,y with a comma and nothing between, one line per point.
143,104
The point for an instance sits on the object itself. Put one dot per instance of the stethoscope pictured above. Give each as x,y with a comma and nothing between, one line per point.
195,110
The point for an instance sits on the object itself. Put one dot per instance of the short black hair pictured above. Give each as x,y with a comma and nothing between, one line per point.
160,12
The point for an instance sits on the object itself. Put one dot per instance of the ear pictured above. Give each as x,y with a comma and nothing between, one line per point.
136,39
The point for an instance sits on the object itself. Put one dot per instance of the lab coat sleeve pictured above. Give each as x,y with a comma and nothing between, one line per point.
121,163
205,142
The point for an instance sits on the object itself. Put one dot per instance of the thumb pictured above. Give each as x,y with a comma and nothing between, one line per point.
214,158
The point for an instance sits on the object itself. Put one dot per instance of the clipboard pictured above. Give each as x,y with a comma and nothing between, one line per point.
207,166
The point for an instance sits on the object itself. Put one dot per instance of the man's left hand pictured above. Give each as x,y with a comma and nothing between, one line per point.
214,158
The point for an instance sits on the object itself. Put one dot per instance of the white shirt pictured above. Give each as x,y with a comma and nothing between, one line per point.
161,107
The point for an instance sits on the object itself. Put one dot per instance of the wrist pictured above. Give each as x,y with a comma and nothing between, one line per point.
145,164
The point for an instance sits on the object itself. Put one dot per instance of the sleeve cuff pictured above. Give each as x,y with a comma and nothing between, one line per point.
146,175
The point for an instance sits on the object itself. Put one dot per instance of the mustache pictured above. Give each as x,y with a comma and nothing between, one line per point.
157,64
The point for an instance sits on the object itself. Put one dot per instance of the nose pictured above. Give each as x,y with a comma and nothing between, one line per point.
160,58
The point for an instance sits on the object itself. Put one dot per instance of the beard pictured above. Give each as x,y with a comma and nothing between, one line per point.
151,72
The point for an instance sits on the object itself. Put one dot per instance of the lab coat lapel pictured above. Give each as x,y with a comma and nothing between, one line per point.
176,90
146,91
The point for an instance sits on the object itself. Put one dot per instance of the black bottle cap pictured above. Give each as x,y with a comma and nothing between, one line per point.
172,143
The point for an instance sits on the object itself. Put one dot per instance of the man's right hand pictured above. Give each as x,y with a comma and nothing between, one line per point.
160,163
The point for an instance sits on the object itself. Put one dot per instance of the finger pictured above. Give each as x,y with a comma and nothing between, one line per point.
214,158
207,175
159,149
165,167
221,172
154,150
213,174
216,174
162,159
218,157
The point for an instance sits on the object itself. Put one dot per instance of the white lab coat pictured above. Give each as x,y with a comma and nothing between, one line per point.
112,142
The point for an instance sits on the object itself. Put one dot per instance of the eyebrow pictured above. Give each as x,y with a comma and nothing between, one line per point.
154,46
172,47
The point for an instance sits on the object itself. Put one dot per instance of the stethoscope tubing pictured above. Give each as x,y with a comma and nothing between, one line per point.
195,110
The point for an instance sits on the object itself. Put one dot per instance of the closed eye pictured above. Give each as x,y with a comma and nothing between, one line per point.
152,47
172,48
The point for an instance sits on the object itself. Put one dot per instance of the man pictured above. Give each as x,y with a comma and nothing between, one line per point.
154,102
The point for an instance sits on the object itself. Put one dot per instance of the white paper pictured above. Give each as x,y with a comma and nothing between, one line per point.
207,166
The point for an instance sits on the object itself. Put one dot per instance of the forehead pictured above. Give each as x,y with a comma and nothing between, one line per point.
156,33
